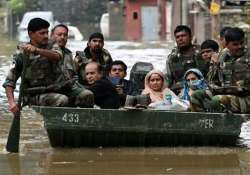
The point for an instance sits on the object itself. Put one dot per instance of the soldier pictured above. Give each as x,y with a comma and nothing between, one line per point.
35,63
183,57
93,52
78,95
231,88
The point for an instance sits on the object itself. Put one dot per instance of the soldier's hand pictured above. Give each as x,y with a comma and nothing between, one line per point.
215,58
13,107
29,49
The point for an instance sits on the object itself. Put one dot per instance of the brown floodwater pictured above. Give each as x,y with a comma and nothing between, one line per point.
37,157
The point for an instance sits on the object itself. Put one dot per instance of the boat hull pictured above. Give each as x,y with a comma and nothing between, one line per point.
77,127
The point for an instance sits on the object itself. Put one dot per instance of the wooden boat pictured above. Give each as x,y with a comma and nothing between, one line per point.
76,127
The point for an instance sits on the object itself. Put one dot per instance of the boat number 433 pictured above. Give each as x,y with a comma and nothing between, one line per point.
70,117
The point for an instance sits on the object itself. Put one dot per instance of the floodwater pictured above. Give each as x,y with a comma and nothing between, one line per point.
36,157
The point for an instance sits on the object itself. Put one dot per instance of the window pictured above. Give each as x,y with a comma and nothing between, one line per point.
135,15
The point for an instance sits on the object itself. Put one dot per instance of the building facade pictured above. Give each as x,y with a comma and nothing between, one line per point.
144,20
139,20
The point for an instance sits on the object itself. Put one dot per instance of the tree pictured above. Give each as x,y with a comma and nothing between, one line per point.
17,6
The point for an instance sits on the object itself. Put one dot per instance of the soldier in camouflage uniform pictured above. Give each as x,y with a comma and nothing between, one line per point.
36,64
93,52
78,95
182,58
231,84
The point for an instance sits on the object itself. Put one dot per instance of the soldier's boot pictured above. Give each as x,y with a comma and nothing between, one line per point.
130,101
143,101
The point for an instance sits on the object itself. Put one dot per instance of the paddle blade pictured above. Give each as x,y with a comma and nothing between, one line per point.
14,135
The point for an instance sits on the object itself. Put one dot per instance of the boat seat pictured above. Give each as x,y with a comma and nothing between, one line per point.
138,73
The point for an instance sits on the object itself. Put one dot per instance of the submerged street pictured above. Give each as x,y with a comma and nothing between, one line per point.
38,157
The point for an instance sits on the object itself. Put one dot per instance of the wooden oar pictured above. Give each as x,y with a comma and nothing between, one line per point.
14,135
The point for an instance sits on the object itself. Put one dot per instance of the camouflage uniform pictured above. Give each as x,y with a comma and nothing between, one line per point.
230,86
78,95
213,73
36,71
178,63
201,100
82,58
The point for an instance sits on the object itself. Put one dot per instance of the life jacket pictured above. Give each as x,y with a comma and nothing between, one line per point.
235,71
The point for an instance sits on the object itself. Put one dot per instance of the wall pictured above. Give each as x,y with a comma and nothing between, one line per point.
133,26
116,21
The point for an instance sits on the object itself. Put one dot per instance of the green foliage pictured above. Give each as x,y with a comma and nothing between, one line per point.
17,6
247,13
35,5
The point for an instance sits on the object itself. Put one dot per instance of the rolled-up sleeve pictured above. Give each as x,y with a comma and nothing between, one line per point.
14,72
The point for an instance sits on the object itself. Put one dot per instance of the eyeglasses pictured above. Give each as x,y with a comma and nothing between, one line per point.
117,69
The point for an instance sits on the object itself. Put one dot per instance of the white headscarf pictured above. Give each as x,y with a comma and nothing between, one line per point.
156,95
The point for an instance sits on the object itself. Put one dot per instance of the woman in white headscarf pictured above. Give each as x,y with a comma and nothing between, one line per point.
156,87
